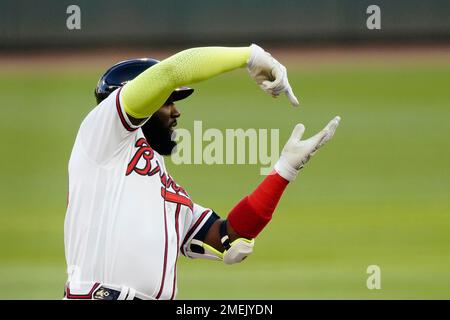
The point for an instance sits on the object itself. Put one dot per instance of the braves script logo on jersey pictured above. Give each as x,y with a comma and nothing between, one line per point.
146,153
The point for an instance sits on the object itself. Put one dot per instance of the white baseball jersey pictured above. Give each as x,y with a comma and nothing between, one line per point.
126,219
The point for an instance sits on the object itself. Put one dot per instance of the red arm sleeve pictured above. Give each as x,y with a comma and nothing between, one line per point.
249,217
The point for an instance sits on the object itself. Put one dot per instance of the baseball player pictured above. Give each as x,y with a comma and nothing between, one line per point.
127,219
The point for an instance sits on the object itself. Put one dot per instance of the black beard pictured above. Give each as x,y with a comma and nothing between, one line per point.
158,136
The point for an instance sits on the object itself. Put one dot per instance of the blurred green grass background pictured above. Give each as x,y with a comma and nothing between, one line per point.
378,194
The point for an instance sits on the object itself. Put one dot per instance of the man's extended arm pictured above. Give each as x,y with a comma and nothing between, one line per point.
249,217
146,93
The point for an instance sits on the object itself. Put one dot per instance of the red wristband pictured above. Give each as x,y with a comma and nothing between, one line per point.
249,217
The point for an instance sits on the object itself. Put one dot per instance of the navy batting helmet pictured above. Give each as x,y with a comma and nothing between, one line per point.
127,70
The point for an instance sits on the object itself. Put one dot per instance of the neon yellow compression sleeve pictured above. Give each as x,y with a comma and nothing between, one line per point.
146,93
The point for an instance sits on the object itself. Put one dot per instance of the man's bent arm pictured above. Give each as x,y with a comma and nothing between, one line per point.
250,216
147,92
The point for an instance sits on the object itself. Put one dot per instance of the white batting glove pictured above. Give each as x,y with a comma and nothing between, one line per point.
296,152
269,74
